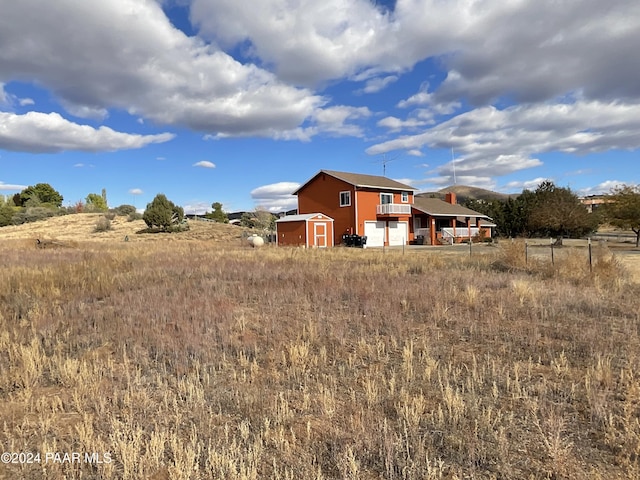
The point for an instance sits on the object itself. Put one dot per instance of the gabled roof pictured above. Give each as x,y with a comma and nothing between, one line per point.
302,216
439,208
361,180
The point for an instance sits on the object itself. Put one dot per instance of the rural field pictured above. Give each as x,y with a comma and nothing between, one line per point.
194,356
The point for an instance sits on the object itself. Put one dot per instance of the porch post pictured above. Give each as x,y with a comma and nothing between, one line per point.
433,231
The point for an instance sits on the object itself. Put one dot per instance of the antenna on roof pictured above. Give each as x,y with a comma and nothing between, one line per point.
453,162
386,160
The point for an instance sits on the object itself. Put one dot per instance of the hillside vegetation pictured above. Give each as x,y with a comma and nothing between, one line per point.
203,359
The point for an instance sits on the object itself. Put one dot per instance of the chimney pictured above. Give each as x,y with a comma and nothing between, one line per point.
450,197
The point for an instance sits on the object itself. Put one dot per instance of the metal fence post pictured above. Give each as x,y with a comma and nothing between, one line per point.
552,260
590,258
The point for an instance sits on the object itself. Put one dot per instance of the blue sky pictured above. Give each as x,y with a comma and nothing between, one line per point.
208,100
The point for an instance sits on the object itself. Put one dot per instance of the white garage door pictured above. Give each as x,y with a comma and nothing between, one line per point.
374,231
398,233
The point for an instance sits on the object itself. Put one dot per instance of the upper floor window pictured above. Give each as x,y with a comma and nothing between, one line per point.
405,197
345,199
386,198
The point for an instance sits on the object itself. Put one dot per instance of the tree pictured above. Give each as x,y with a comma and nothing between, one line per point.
260,219
6,213
96,202
623,209
558,212
218,214
162,213
493,208
43,192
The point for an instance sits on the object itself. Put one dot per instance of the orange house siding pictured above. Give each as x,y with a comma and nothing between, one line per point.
367,203
323,195
302,232
291,234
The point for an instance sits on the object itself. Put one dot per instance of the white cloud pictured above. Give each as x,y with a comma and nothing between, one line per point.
9,187
26,102
205,164
276,197
415,153
601,188
196,208
79,165
489,141
338,120
136,191
42,132
146,67
377,84
519,185
394,124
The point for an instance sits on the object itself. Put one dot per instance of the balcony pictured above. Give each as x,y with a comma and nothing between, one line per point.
393,209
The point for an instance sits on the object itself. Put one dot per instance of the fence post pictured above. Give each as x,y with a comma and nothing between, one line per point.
526,252
552,260
470,243
590,258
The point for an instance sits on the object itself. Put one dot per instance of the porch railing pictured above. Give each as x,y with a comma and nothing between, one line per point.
393,209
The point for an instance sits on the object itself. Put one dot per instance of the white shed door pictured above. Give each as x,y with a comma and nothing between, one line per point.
398,233
374,231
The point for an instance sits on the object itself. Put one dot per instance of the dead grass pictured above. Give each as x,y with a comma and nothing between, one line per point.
199,359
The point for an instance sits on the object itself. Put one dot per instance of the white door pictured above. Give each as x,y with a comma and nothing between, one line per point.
374,231
398,233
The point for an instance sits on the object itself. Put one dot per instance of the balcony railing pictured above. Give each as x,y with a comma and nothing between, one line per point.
393,209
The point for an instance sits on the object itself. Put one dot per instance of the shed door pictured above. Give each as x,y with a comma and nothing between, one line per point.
374,231
398,233
320,234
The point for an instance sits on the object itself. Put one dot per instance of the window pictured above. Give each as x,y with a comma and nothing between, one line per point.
386,198
405,197
345,199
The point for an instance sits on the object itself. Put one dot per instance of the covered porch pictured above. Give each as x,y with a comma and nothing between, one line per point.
436,222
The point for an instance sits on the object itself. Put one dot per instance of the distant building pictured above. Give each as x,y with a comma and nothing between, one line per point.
593,202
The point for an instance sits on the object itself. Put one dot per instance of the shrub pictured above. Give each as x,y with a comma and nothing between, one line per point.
125,210
134,216
162,213
103,225
33,214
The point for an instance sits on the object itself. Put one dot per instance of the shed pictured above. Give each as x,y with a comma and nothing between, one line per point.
309,230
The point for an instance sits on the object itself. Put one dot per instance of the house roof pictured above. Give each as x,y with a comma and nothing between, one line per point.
439,208
301,217
361,180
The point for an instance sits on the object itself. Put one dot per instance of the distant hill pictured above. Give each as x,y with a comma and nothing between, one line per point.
464,193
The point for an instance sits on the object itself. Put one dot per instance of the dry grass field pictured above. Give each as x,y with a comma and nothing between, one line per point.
193,356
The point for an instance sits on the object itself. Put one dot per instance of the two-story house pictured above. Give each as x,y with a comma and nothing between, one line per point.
370,205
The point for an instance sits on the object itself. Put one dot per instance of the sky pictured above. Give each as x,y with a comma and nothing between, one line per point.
241,102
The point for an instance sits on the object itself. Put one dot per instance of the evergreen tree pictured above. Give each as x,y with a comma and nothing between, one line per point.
162,213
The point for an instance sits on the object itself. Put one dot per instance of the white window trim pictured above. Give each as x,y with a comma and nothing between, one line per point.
348,192
387,194
404,197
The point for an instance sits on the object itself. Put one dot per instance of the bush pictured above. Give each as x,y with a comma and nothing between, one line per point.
134,216
125,210
162,213
34,214
103,225
6,213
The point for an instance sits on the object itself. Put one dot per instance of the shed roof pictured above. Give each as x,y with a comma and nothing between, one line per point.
362,180
302,217
439,208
